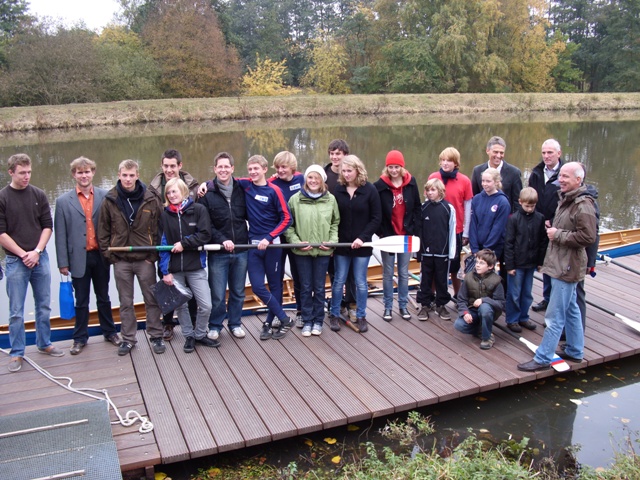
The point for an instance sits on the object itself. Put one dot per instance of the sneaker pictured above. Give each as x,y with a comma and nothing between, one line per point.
306,331
540,307
207,342
285,326
237,332
167,332
443,313
275,323
317,329
352,312
334,323
362,325
52,351
213,334
386,316
404,313
423,314
487,344
514,327
124,348
114,339
528,324
15,364
266,332
158,345
76,348
189,345
299,321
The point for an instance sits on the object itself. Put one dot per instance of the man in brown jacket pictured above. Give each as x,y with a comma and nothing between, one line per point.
129,217
574,228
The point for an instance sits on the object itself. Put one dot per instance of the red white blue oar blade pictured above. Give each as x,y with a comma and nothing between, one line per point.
558,364
396,244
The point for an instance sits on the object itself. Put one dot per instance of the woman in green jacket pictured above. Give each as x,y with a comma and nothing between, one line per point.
315,220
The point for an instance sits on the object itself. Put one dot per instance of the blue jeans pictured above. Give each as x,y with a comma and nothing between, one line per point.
519,296
388,261
196,280
18,279
359,267
97,272
287,252
482,321
562,311
267,263
313,276
231,269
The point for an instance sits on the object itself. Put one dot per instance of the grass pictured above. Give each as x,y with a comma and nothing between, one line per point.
244,108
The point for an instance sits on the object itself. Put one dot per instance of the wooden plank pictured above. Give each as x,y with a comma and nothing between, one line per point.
139,457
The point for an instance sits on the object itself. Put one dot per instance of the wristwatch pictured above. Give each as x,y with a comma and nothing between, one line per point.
38,251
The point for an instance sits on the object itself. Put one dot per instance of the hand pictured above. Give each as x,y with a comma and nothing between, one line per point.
177,248
547,223
357,243
228,245
168,279
477,303
202,189
264,243
323,247
468,318
551,231
307,248
465,241
31,259
64,271
511,272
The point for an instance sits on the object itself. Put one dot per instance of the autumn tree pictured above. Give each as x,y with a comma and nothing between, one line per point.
266,78
185,39
328,67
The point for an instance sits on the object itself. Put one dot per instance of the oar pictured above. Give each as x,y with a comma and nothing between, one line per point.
558,364
627,321
394,244
395,279
608,259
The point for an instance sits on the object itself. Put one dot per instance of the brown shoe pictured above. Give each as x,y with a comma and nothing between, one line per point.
76,348
167,333
113,339
362,325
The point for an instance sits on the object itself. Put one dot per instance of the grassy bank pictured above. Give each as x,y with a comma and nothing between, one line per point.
243,108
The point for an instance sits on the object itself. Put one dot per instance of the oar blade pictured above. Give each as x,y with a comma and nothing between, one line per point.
629,323
398,244
557,363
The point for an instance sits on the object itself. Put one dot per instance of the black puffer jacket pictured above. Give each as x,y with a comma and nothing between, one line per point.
526,240
228,219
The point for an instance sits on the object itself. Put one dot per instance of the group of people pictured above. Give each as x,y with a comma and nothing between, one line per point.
249,217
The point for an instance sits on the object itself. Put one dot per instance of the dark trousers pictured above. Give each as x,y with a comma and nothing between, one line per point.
287,252
97,272
434,271
312,280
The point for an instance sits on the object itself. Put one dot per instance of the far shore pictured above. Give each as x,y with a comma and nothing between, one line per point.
48,117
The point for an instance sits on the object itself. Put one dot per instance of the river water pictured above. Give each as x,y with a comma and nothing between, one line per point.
607,143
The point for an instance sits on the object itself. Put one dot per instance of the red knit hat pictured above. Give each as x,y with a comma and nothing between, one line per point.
395,157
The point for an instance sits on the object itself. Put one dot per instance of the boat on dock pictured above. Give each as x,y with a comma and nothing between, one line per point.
620,243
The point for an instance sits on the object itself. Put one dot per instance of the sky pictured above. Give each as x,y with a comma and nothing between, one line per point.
95,13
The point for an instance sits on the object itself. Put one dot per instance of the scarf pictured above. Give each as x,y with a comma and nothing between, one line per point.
129,202
446,176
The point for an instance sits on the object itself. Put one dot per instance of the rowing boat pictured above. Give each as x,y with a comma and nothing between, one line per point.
620,243
63,329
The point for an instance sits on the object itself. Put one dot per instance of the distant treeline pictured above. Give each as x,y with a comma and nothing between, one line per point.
209,48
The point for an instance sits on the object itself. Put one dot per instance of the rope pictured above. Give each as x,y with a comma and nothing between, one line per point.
130,417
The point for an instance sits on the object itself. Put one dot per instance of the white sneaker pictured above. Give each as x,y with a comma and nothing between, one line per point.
306,331
238,332
213,334
299,321
317,329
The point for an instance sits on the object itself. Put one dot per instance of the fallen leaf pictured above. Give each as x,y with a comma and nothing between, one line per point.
336,459
596,379
160,476
614,394
352,428
261,460
577,390
483,430
577,402
330,440
481,399
561,379
625,420
308,442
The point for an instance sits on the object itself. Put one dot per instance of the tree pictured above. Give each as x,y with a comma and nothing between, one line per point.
267,78
12,14
328,67
185,39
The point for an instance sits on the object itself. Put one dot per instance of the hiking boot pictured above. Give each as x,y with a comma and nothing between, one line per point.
540,307
167,332
362,325
514,327
213,334
423,314
306,330
334,323
317,329
189,345
299,321
76,348
124,348
386,316
158,345
15,364
285,326
207,342
443,313
528,324
237,332
114,339
405,314
487,344
266,332
52,351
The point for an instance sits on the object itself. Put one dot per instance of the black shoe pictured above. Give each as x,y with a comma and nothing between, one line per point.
563,355
124,348
386,316
189,345
158,345
404,313
362,325
514,327
285,326
529,325
334,323
540,307
207,342
533,366
266,332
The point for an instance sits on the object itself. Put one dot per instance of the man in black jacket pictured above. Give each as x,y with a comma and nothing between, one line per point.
511,177
544,179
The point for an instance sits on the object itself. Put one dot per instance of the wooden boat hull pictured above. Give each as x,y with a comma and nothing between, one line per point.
63,329
620,243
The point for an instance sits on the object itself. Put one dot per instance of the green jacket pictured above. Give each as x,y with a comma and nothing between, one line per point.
314,221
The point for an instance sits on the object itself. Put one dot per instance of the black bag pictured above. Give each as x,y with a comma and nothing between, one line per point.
469,263
170,297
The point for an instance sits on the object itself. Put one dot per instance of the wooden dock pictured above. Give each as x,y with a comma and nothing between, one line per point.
249,391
